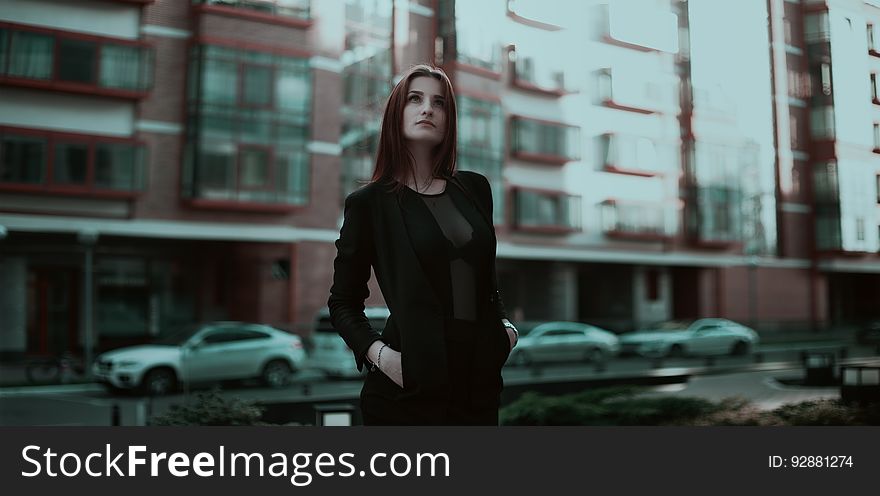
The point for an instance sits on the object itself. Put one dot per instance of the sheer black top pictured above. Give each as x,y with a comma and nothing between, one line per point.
453,244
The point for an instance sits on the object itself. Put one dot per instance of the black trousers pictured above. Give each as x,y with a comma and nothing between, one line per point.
475,353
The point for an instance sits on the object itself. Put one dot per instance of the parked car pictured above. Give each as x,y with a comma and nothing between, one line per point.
329,353
869,334
203,353
562,341
690,337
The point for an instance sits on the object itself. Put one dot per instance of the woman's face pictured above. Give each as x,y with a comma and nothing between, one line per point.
424,115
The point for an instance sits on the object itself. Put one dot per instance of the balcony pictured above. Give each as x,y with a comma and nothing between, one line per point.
51,59
548,212
35,161
713,216
541,141
630,155
529,74
294,13
635,221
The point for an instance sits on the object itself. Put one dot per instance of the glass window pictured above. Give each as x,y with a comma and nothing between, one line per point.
4,49
216,167
876,136
257,85
219,82
123,67
76,60
22,160
545,139
71,163
535,209
822,122
254,168
122,305
874,87
870,30
293,89
31,55
816,27
604,88
293,176
860,229
119,166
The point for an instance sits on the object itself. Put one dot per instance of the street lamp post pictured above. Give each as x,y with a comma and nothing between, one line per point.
88,238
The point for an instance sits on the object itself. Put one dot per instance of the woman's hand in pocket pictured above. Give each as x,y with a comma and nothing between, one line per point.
391,365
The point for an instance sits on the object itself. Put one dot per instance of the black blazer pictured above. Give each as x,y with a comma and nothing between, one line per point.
374,234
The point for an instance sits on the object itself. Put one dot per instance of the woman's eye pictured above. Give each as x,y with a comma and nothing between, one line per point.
438,103
414,98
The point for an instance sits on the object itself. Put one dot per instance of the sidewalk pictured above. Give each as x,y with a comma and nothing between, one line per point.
13,374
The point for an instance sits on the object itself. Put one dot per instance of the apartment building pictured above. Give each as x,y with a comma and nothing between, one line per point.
163,162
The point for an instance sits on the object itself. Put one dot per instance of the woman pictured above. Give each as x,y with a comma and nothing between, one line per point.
427,232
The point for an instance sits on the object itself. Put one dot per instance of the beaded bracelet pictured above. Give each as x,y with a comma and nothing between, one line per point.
379,358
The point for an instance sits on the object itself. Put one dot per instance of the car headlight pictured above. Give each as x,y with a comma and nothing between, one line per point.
127,363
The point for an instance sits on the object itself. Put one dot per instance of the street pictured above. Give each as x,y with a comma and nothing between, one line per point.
756,378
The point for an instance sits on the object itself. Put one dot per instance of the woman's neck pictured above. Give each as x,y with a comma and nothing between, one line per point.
423,168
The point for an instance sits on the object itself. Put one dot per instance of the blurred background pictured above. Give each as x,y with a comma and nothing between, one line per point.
169,162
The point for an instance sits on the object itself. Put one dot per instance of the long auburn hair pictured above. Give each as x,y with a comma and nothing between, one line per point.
394,159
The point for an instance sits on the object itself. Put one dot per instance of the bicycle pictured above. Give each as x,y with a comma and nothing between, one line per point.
53,370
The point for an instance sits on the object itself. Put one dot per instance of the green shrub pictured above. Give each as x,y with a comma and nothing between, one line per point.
608,406
211,409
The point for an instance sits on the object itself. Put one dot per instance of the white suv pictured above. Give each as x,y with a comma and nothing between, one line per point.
203,353
330,354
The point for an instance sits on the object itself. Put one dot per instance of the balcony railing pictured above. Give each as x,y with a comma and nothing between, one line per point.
542,141
299,9
546,211
633,220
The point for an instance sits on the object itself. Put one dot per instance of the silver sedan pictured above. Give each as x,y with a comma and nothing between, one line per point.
563,341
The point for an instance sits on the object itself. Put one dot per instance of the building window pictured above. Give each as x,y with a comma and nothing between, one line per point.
825,183
257,81
544,141
76,61
828,235
481,145
288,8
874,88
876,137
786,27
546,211
793,126
22,160
92,63
822,122
870,32
878,188
715,215
816,28
626,153
604,85
79,163
532,72
476,42
249,115
71,163
860,229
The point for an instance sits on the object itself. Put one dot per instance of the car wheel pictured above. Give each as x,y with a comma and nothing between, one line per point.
158,382
520,359
594,355
739,348
675,351
276,373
